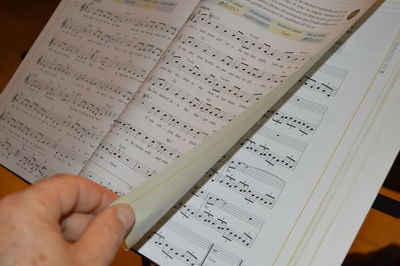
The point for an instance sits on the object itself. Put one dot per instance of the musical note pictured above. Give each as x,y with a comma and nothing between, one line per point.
170,119
100,180
217,251
216,223
210,250
52,119
250,193
60,151
130,70
6,148
207,20
281,138
211,81
291,121
158,83
256,173
89,108
27,162
230,61
115,18
147,139
244,189
311,83
31,165
214,200
139,47
127,160
122,93
270,157
172,251
304,104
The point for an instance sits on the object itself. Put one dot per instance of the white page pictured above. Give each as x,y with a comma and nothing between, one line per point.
357,198
82,71
157,129
210,74
351,181
362,58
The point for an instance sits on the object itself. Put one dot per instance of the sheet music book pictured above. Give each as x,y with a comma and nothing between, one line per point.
118,91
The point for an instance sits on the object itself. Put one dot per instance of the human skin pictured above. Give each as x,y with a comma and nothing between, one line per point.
63,220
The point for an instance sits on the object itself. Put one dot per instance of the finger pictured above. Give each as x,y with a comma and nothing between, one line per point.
64,194
74,225
102,237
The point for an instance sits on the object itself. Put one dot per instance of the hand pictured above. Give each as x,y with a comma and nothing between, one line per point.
64,220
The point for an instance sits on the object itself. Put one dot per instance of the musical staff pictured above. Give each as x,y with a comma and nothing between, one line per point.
242,188
170,119
230,61
116,18
311,83
291,121
158,83
207,20
216,223
134,46
304,104
332,71
122,93
147,139
259,174
270,157
89,108
172,251
249,192
52,119
277,136
211,81
188,234
100,180
6,148
214,200
60,151
130,70
206,250
24,160
127,160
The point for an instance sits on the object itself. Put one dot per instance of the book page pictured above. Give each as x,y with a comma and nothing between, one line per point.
243,211
365,153
227,56
220,64
82,71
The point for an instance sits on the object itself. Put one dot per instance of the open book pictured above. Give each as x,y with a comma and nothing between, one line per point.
153,93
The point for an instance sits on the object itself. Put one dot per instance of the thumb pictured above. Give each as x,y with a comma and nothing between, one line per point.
101,239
